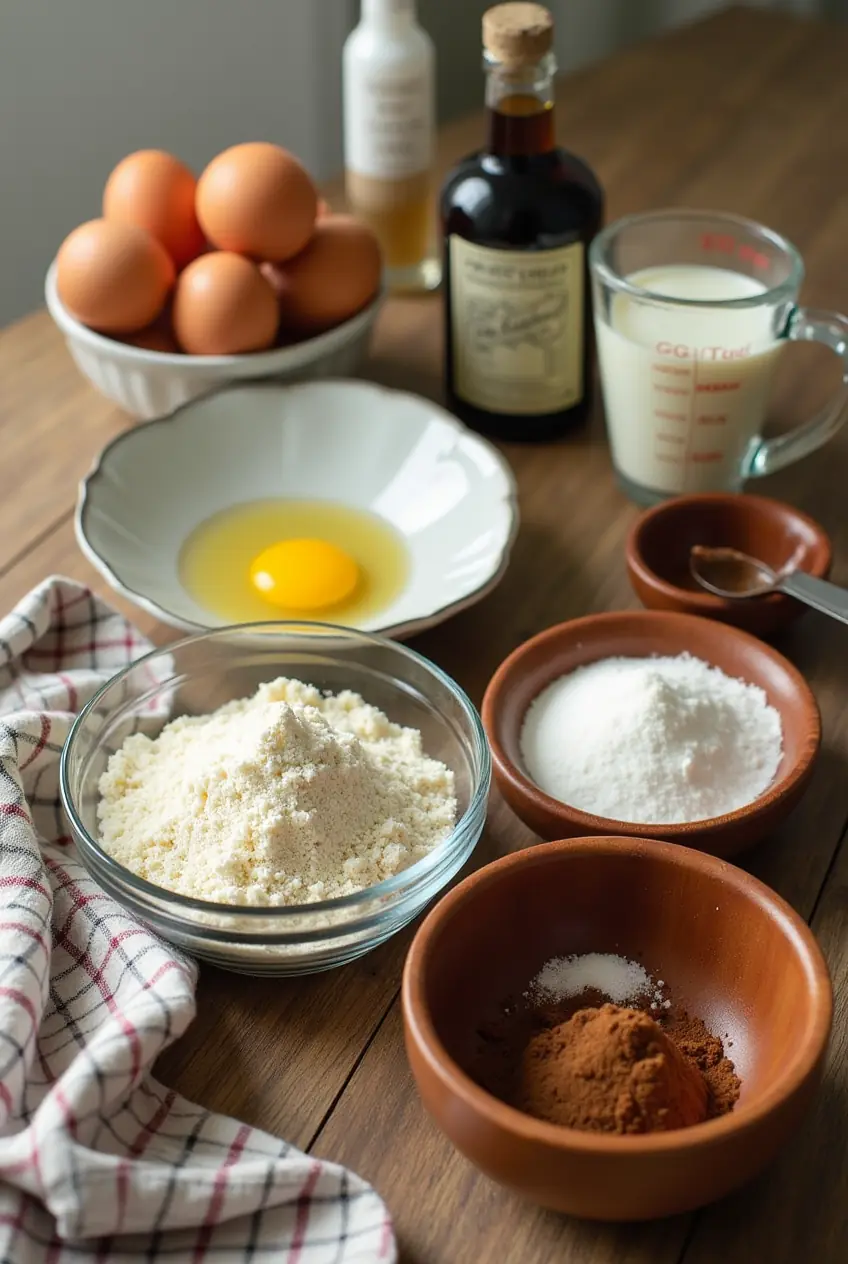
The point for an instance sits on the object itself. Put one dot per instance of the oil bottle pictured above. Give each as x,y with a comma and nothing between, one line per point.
389,91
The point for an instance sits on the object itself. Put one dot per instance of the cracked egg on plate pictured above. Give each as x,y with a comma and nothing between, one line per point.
342,502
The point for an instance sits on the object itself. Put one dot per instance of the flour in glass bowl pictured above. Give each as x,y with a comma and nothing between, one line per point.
661,740
285,798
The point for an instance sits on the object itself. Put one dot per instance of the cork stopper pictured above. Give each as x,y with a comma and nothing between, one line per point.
518,34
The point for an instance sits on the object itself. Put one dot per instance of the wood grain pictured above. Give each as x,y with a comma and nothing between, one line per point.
744,112
52,425
797,1211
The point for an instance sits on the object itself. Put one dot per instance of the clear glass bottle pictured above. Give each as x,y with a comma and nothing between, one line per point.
518,217
389,125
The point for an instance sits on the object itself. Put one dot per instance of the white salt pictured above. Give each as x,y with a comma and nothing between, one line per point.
620,980
652,740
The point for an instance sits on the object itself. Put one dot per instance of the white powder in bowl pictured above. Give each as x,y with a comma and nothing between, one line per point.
652,740
620,980
287,797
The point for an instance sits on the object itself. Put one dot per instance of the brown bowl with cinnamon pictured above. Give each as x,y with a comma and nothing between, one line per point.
616,1028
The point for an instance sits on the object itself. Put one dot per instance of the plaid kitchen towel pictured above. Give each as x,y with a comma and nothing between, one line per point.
98,1162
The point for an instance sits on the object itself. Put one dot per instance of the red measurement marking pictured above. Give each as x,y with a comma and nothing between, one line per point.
661,389
690,429
707,355
724,243
718,386
674,369
706,458
725,353
755,257
664,437
677,349
663,415
666,459
727,244
711,419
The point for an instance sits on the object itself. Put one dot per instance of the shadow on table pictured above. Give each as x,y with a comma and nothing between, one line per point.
560,1239
796,1211
543,585
796,858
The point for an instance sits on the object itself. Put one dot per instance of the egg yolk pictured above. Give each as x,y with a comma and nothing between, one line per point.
304,574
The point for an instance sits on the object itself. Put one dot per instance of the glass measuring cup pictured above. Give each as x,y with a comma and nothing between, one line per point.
692,310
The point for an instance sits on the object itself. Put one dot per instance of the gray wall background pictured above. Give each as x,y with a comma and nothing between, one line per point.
83,82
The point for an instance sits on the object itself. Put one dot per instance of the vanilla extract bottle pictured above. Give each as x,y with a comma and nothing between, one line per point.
518,218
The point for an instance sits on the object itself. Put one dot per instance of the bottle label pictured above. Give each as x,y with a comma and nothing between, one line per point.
389,124
517,321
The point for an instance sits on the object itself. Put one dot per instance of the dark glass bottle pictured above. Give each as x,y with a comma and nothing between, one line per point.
518,217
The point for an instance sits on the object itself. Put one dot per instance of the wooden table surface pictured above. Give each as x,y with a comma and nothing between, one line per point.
744,112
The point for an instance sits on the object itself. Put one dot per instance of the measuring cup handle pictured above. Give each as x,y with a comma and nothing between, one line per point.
806,324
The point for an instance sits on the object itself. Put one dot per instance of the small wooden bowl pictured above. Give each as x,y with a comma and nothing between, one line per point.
660,539
640,634
729,950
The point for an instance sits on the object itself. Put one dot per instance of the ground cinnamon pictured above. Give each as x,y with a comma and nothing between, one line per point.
706,1052
614,1070
610,1070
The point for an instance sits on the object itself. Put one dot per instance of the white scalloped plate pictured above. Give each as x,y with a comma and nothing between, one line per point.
448,492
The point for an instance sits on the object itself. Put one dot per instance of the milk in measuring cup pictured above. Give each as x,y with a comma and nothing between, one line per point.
686,389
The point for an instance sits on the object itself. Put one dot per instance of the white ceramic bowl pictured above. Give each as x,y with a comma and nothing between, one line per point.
448,492
153,383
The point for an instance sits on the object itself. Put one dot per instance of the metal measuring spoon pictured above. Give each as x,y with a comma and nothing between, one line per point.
737,576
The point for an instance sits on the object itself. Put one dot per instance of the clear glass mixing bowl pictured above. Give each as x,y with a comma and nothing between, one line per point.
198,675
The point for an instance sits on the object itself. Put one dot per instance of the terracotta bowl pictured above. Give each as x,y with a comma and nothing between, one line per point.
641,633
730,951
660,539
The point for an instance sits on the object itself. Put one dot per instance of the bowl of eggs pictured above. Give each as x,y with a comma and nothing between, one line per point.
184,285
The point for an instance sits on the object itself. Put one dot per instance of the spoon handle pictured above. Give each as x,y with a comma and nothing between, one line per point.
818,593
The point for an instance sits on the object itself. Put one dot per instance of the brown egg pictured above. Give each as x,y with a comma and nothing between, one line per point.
336,275
156,191
113,277
273,274
224,306
257,200
156,337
